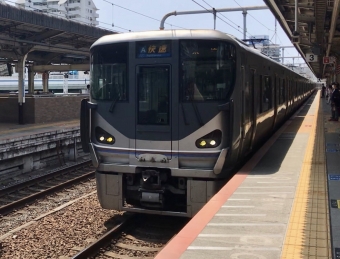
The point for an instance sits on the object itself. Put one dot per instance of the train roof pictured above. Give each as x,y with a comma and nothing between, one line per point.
162,35
174,34
203,34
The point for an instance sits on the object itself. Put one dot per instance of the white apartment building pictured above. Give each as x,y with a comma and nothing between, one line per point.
267,48
83,11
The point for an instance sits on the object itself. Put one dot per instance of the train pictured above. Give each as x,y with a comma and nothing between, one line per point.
75,85
173,113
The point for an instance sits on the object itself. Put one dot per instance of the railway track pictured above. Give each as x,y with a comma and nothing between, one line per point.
26,192
139,236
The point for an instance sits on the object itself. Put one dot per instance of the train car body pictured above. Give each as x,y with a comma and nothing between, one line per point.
173,113
9,84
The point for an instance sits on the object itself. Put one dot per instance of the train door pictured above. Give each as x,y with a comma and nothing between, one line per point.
248,111
153,127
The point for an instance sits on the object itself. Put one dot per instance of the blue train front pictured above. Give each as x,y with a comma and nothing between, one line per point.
163,126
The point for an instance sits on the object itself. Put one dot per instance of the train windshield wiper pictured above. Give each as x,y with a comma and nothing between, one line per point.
197,113
113,103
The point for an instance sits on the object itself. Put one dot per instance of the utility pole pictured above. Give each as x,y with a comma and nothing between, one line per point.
244,23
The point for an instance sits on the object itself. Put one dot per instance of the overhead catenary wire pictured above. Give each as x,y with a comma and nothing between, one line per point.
222,19
217,16
115,26
224,16
275,33
261,23
254,17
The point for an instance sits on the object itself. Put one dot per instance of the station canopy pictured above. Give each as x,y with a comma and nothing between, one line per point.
47,39
317,34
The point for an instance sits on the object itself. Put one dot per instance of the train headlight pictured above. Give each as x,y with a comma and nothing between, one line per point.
103,137
203,143
211,140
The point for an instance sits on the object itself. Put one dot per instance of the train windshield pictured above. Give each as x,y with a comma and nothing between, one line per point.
108,72
153,95
207,70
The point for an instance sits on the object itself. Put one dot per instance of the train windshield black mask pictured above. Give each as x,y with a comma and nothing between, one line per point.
207,70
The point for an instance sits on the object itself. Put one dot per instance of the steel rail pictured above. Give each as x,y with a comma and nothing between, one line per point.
8,208
43,177
106,238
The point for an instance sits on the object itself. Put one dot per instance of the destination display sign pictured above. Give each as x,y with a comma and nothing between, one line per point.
334,177
153,49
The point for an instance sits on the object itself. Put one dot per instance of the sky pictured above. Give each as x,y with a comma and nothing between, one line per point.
142,15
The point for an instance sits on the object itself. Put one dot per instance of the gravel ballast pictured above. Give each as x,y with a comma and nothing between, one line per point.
59,234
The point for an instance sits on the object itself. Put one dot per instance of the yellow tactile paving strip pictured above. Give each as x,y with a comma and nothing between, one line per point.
308,234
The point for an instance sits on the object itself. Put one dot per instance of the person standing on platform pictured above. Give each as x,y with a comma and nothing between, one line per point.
329,93
335,102
323,90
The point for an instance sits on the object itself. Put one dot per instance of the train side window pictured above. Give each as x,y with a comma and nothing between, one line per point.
277,90
247,94
296,89
260,96
282,91
267,94
251,94
300,88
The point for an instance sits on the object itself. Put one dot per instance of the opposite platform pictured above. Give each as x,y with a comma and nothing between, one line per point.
10,131
276,206
35,142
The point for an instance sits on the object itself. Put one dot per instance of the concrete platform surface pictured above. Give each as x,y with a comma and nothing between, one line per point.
284,203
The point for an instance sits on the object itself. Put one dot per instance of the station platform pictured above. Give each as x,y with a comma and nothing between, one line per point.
28,147
10,131
283,203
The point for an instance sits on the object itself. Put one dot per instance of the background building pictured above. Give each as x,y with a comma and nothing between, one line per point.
83,11
267,48
303,70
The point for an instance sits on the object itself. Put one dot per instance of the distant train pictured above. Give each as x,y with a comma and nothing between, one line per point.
8,84
173,113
